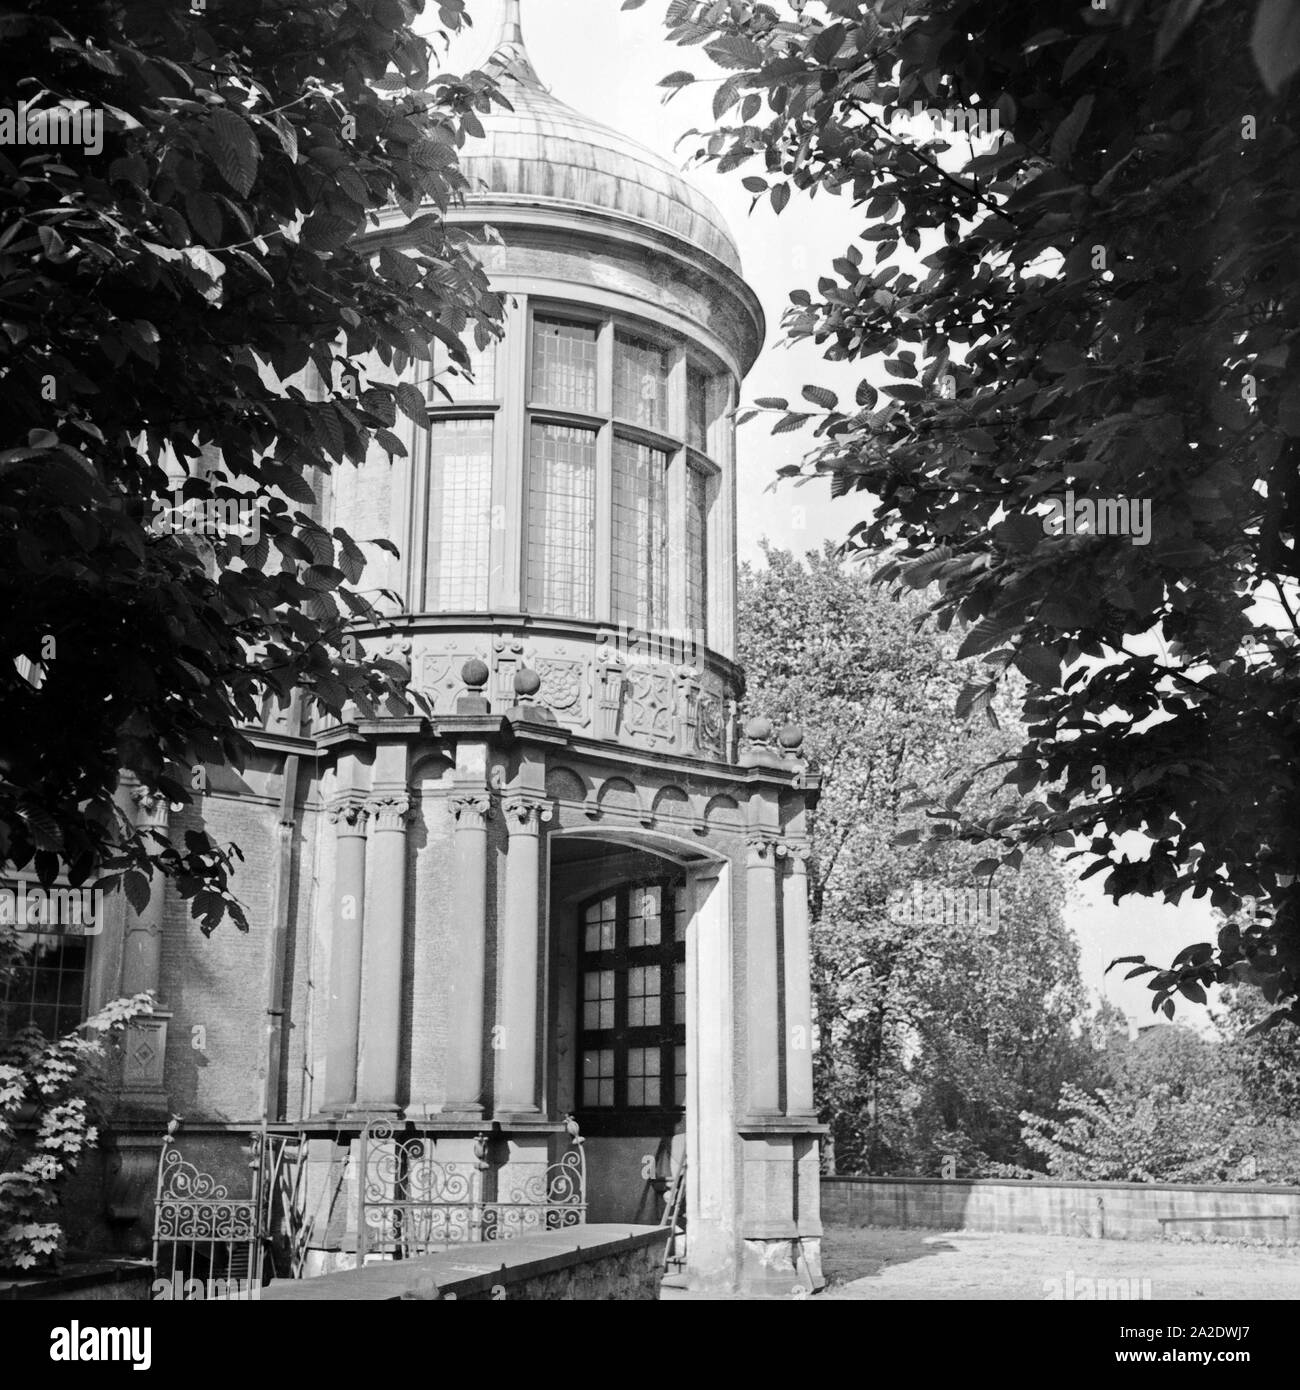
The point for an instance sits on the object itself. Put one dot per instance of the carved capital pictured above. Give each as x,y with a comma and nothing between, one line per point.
153,807
472,811
524,814
349,814
764,848
389,812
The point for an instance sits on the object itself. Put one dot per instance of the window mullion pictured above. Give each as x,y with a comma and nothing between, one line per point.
510,462
620,1000
604,605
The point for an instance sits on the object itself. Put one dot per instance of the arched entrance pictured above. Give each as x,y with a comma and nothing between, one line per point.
640,1009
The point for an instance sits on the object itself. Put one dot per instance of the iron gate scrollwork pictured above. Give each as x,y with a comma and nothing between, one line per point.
413,1202
202,1235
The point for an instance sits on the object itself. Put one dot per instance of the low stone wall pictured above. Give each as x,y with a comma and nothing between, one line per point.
110,1281
1115,1210
618,1262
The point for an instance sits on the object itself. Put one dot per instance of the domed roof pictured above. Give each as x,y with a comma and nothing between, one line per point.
545,152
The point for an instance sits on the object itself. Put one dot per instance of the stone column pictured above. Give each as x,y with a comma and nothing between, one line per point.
145,1045
711,1197
465,994
381,996
762,986
797,960
516,1043
343,1022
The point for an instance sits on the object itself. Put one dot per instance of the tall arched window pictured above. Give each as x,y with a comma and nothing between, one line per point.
632,1026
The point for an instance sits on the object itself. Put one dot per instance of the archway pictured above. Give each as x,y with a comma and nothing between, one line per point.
640,1010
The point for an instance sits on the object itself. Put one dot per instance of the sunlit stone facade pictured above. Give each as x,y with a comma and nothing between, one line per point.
569,889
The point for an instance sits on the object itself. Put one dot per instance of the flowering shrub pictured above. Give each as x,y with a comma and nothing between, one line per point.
51,1089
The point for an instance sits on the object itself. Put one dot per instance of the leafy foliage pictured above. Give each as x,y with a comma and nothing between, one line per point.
1101,303
1176,1106
933,1035
49,1104
1147,1138
193,299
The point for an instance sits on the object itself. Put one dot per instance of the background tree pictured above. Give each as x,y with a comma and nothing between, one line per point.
1175,1105
164,302
933,1035
1102,303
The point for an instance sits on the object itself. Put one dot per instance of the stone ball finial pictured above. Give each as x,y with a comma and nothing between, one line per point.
527,683
758,729
790,737
475,673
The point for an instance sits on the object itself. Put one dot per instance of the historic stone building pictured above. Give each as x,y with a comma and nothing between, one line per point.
571,892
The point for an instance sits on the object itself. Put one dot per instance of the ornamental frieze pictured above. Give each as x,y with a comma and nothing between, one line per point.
438,677
562,685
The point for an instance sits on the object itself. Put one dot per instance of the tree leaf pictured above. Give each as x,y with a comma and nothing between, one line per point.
1275,41
234,149
1041,664
819,395
1071,128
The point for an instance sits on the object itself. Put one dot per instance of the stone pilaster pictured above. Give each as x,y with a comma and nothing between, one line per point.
762,983
343,1023
797,963
466,986
379,1044
145,1044
516,1038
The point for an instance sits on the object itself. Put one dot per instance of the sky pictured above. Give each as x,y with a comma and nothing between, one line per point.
607,63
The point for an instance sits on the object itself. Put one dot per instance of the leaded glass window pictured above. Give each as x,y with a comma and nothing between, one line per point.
564,364
460,515
640,382
47,986
643,1076
458,388
598,1077
698,486
562,520
640,551
697,409
633,1021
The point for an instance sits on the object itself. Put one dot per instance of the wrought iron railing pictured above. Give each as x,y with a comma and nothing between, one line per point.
413,1202
206,1243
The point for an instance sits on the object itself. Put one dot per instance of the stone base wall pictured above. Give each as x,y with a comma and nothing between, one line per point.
621,1263
1111,1210
782,1268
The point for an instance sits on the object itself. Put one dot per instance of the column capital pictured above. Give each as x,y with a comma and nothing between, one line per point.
391,811
472,809
349,813
764,848
153,808
799,852
524,814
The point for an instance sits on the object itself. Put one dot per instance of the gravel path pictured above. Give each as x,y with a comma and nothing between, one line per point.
862,1263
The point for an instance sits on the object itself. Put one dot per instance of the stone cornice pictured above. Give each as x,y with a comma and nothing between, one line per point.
524,626
569,221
